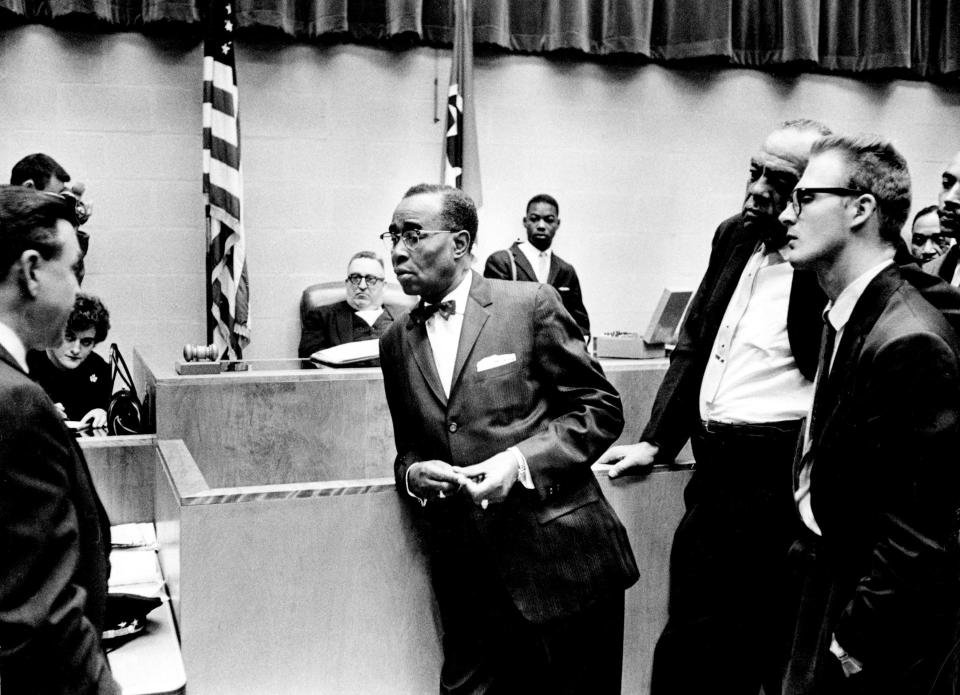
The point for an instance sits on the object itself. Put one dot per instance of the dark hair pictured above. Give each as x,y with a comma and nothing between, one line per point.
806,124
458,211
366,254
544,198
89,312
876,167
923,211
28,220
39,167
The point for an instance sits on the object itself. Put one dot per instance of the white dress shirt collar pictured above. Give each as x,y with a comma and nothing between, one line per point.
838,312
539,260
11,343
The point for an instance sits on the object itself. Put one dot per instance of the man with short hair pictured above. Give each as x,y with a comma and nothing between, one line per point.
878,487
361,316
42,172
738,386
947,266
54,532
498,413
926,240
533,260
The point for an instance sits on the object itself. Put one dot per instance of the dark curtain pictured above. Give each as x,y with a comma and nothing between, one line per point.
919,38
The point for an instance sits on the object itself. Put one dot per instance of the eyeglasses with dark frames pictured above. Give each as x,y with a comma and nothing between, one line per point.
371,280
801,196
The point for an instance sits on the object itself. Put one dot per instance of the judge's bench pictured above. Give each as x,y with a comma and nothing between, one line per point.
292,563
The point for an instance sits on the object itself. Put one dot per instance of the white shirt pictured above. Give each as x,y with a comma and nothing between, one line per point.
751,374
444,334
539,260
370,316
11,343
838,314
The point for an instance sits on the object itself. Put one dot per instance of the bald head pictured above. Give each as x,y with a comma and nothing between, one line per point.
774,171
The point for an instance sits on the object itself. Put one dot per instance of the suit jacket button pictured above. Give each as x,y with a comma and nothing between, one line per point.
452,427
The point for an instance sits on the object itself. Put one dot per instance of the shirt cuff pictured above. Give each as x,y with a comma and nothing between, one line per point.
406,482
850,665
523,470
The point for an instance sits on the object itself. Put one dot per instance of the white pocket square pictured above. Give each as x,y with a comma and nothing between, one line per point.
495,361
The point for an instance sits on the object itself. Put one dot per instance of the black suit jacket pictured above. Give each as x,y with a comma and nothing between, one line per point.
54,545
885,485
675,411
556,548
332,324
943,266
561,276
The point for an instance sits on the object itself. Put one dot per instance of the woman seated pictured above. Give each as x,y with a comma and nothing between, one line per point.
75,377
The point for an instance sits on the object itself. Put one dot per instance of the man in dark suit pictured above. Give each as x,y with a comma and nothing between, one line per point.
878,487
946,266
54,534
498,413
534,261
738,386
361,316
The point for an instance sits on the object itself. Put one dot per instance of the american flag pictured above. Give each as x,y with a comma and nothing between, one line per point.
460,166
228,288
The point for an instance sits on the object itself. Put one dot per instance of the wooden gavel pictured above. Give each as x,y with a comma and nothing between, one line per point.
196,353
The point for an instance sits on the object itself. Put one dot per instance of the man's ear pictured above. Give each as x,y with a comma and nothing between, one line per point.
461,243
864,206
25,270
29,184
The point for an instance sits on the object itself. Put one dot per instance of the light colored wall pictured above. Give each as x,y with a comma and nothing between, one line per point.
645,162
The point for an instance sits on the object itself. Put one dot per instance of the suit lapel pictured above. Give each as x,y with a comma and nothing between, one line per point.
871,304
419,346
345,324
522,263
475,315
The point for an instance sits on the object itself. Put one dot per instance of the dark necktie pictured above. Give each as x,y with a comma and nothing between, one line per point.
422,311
821,395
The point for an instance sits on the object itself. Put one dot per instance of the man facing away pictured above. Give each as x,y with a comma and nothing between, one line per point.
738,385
496,428
878,486
44,173
54,533
948,199
534,260
361,316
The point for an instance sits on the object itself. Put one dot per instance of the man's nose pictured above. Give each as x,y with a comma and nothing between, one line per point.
788,217
929,246
362,284
952,195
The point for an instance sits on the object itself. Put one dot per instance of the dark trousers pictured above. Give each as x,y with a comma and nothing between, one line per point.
825,590
491,649
730,608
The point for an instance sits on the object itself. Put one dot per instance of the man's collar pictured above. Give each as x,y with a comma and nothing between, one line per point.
11,343
460,293
839,312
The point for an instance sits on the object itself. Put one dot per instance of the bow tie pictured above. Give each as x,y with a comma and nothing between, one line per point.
422,312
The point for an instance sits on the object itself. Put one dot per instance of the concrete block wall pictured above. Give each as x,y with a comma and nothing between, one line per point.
645,161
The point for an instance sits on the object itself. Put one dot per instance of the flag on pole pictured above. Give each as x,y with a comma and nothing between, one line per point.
228,289
460,165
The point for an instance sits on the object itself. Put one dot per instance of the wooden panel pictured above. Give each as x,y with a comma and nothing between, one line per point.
123,473
650,507
330,594
272,425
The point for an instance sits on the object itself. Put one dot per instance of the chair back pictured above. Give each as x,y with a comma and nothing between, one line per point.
324,293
